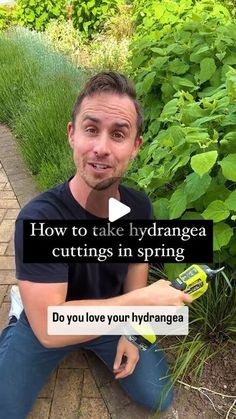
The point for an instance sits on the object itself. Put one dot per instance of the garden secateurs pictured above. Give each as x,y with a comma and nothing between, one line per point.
193,281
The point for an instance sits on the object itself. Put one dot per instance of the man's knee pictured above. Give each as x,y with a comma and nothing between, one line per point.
157,399
154,395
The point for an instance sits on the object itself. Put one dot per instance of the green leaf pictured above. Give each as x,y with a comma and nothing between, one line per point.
230,202
159,62
160,207
205,119
199,53
192,112
215,191
222,234
228,143
31,16
216,211
208,68
202,163
159,51
232,246
173,270
180,82
196,186
200,136
192,215
228,166
169,109
137,60
178,203
178,66
147,82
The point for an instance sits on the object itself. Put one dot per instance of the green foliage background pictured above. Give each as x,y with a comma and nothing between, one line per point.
36,14
184,58
89,16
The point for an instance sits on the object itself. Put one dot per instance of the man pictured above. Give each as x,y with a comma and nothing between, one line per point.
105,134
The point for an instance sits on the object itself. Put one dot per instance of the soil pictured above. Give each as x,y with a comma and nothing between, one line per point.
219,375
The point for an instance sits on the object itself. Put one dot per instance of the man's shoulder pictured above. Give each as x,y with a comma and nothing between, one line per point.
45,204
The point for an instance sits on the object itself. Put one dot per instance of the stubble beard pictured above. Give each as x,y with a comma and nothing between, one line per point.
99,185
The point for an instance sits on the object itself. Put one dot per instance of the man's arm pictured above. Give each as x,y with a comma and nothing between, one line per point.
38,296
136,277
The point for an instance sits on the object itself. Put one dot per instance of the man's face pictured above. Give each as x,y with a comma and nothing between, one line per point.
103,139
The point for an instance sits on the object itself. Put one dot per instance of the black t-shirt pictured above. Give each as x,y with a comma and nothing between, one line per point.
85,280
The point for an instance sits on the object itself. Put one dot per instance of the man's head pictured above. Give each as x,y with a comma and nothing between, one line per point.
110,82
105,131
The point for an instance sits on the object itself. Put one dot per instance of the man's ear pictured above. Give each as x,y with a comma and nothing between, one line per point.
70,134
137,145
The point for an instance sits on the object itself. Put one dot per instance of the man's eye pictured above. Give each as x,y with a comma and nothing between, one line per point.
90,130
118,135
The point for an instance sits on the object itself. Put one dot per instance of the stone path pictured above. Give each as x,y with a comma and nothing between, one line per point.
81,387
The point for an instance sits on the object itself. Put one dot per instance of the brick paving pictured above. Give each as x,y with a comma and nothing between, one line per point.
81,387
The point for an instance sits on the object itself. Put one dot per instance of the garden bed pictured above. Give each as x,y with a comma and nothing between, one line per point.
218,376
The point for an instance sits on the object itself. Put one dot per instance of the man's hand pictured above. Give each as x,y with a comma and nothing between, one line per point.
160,293
131,353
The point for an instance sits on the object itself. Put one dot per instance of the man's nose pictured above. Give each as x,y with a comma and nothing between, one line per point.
102,145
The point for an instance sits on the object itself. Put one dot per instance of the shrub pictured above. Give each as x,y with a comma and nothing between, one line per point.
6,16
104,52
121,24
186,81
107,53
38,88
36,14
65,38
90,16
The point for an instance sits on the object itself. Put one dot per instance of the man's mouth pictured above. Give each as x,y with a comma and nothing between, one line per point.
100,166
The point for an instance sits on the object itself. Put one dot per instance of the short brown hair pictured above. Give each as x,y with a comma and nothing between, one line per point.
110,82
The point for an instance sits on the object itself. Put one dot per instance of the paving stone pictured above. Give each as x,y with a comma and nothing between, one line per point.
12,165
12,159
74,360
10,248
114,396
3,178
6,146
3,248
16,169
7,298
25,198
23,176
3,291
6,135
4,311
93,408
133,410
41,409
7,277
11,214
9,203
2,213
6,230
7,195
2,185
67,394
48,389
100,371
89,386
7,262
8,187
20,186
